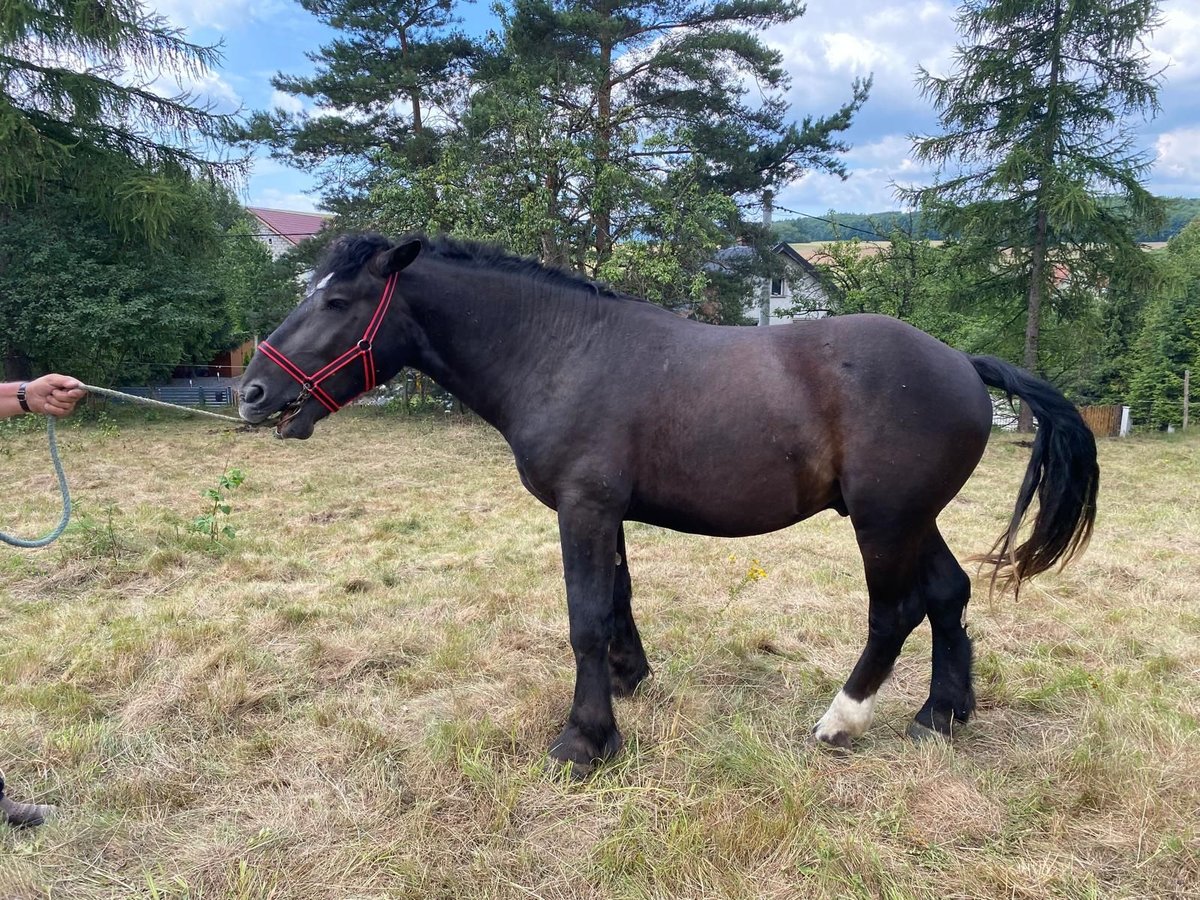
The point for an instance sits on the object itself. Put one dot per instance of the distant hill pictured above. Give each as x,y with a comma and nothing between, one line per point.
843,226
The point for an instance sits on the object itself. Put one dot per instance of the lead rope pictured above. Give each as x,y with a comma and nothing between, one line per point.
58,529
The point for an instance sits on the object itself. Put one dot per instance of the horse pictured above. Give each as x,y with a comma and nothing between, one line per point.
619,410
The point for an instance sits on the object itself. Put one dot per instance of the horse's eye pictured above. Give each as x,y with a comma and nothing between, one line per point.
336,302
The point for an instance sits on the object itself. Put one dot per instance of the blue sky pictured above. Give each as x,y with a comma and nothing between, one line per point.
824,51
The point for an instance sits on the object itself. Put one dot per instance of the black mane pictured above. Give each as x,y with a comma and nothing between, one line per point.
347,256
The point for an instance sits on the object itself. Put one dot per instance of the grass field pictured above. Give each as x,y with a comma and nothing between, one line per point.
352,697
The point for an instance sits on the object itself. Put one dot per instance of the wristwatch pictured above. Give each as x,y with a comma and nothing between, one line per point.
21,396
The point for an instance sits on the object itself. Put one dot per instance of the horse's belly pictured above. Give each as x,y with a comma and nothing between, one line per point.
730,510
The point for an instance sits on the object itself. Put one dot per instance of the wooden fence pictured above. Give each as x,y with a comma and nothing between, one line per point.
1105,421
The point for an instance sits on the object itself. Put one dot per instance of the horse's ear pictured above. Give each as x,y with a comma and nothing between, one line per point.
398,257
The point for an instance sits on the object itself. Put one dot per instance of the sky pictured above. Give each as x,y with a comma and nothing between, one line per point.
824,50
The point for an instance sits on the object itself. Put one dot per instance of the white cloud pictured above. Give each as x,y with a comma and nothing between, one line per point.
875,170
289,103
886,151
219,14
856,55
274,198
205,87
834,43
823,55
1176,45
1178,155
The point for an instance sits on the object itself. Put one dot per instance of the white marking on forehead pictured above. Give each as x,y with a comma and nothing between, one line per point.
320,285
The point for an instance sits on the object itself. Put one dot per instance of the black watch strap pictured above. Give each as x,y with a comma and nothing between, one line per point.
21,396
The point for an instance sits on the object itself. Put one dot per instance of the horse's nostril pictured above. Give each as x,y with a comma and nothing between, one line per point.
252,393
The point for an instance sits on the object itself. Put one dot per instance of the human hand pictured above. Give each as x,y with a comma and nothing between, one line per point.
53,395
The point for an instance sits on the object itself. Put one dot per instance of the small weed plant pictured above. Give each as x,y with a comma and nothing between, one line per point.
97,539
215,521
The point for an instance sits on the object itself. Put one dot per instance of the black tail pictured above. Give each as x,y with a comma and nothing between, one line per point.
1062,472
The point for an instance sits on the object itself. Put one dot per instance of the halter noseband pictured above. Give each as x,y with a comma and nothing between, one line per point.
311,384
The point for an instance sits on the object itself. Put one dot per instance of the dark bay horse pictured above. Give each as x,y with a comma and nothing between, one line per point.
618,410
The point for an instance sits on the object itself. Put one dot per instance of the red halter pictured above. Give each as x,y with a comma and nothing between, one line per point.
311,384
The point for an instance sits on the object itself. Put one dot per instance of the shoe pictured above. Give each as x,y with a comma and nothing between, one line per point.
24,815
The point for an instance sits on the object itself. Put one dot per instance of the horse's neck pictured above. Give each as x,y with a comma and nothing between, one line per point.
497,339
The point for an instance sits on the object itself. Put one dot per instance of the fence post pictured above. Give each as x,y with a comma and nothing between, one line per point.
1187,383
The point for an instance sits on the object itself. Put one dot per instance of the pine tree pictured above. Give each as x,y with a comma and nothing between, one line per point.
67,118
1039,161
384,92
652,87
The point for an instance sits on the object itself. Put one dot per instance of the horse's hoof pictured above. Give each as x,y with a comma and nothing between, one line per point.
837,742
578,755
923,733
625,682
570,769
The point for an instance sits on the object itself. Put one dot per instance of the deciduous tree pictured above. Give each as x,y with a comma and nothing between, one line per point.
81,115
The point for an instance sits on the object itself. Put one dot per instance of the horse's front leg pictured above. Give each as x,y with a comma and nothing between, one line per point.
589,545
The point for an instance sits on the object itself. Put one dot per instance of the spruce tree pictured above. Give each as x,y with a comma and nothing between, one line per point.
1037,158
1168,341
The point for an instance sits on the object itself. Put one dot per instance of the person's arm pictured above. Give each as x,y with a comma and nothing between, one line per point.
52,395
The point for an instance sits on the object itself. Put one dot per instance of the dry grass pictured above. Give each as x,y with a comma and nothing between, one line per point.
352,699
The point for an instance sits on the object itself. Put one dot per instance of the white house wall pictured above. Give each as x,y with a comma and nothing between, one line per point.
799,288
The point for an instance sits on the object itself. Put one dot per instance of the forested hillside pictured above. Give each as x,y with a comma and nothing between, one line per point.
833,225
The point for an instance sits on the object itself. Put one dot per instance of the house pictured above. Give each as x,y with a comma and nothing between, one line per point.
281,230
799,293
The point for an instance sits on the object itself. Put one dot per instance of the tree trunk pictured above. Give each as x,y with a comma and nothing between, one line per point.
602,203
1033,312
1038,282
414,95
764,302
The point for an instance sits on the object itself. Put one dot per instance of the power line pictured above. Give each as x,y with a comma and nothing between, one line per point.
797,212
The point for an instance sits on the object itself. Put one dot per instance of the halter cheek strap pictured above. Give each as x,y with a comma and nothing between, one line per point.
311,384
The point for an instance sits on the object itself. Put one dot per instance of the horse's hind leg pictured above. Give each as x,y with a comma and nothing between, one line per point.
946,589
891,560
627,663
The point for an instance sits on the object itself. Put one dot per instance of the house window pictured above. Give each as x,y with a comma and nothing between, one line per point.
776,287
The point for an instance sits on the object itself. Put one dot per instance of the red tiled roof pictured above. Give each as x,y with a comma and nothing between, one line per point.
292,226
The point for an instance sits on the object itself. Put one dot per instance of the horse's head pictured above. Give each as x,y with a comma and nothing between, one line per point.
345,337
